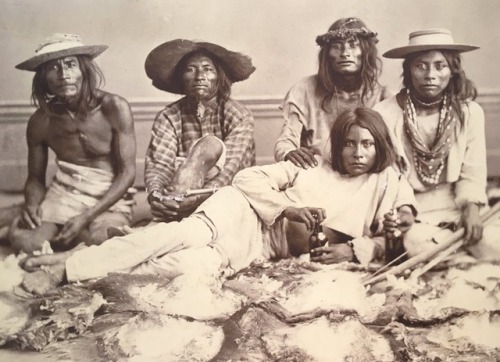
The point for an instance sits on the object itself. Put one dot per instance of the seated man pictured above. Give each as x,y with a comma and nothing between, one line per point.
92,135
203,139
347,77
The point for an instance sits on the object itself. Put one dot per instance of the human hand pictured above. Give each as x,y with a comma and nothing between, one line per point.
307,215
400,221
189,204
332,254
166,210
31,217
71,229
302,157
471,221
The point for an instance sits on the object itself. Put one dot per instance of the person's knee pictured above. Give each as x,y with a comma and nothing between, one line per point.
196,168
97,232
96,236
209,148
23,240
20,243
17,237
418,239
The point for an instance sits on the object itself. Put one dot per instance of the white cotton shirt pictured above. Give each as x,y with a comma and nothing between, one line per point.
352,204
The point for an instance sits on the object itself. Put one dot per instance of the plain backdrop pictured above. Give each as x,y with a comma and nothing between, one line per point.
279,35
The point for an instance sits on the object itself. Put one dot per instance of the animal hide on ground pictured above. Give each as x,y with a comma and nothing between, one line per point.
291,310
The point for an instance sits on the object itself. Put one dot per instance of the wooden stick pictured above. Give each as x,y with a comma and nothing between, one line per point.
444,254
422,257
440,257
417,259
386,266
201,191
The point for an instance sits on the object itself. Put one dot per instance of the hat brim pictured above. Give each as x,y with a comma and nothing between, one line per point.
402,52
33,63
161,63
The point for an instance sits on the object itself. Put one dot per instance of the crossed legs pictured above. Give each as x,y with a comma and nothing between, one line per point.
30,240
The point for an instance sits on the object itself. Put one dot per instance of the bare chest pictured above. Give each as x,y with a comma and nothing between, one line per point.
81,138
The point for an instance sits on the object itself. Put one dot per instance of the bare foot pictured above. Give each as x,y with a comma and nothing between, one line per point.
34,263
43,281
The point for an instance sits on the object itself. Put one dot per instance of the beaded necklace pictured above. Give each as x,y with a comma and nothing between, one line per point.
424,104
429,161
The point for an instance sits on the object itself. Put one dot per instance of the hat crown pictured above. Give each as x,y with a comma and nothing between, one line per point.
162,61
428,39
57,46
431,36
57,42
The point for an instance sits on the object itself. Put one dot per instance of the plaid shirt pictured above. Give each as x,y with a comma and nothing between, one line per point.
176,128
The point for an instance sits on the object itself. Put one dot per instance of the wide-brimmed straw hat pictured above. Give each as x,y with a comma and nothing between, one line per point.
58,46
162,61
430,39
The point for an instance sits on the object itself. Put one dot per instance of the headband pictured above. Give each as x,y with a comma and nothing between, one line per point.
343,33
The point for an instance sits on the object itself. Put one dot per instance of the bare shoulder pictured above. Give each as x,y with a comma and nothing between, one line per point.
37,125
116,108
113,102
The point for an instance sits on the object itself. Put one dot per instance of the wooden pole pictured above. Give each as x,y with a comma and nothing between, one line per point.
444,254
424,256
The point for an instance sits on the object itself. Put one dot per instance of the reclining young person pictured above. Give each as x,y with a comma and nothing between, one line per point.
246,221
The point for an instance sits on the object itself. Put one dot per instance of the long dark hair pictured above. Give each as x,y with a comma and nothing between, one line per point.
373,122
371,67
460,88
223,82
92,81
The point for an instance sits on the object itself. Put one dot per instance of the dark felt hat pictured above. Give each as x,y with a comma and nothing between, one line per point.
162,61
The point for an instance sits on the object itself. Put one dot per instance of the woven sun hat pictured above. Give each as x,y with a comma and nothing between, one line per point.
57,46
162,61
430,39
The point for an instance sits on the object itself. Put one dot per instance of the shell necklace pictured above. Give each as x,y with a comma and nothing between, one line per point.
429,161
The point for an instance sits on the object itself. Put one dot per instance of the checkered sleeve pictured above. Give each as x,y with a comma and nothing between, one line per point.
239,141
161,152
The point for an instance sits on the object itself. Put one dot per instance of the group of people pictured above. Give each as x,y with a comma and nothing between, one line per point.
351,156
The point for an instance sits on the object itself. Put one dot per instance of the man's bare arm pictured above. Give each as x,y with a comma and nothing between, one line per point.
35,188
123,150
